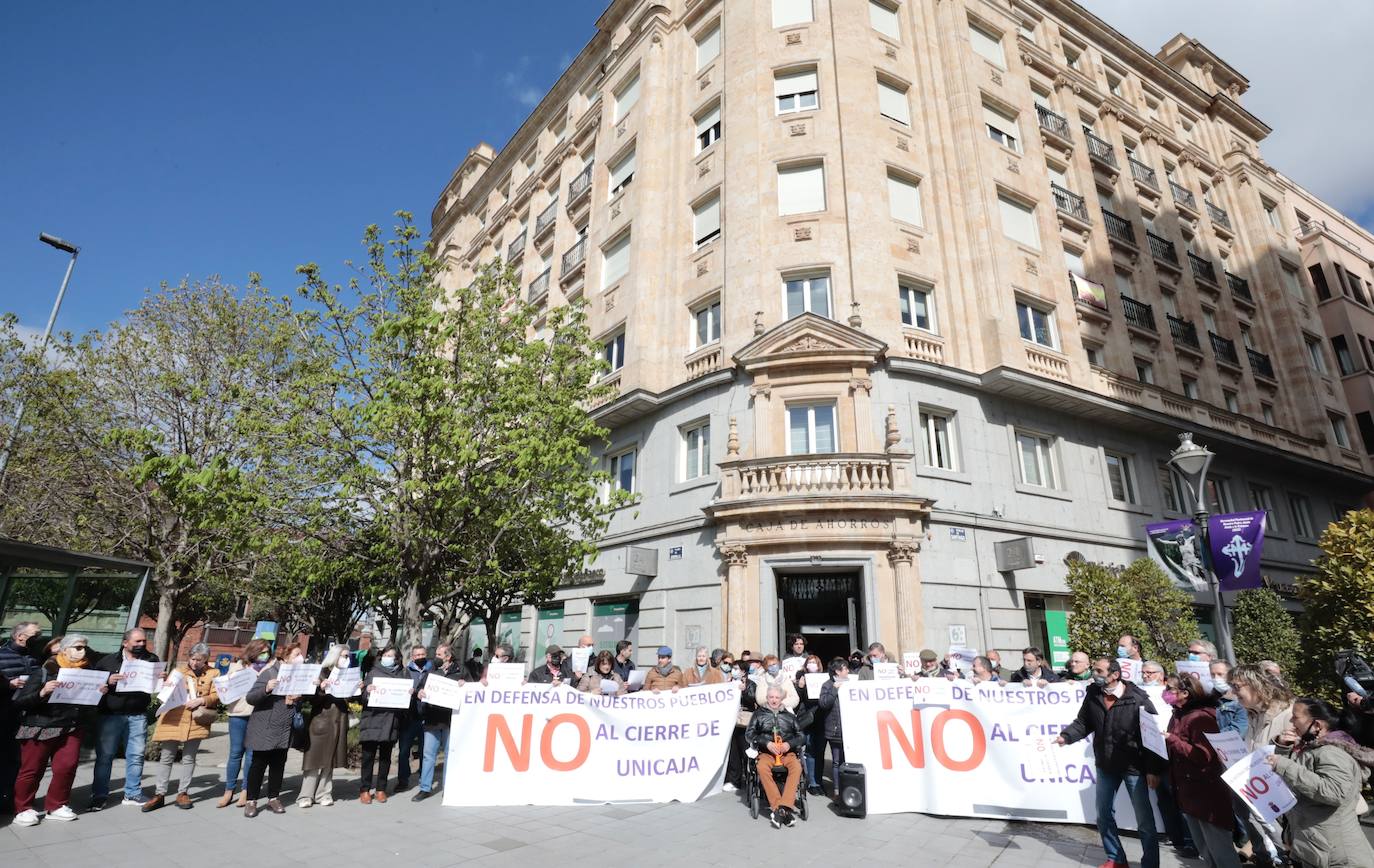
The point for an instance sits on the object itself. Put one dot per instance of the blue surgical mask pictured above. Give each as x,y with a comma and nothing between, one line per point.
774,669
1123,652
726,668
1194,658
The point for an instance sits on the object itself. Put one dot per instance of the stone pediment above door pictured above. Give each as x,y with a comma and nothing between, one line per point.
810,341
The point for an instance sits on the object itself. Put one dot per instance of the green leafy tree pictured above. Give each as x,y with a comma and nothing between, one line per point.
1262,629
1165,612
1139,599
1338,600
456,429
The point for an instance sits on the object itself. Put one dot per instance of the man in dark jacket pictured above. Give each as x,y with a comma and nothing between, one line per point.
876,654
413,728
1034,672
552,672
623,665
20,658
123,724
776,735
1111,715
436,720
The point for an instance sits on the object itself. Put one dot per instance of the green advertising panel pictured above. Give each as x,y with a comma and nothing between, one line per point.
1057,631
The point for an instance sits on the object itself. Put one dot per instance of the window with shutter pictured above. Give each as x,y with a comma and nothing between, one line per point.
801,189
904,199
892,103
708,128
1002,129
622,173
1018,222
615,260
789,12
884,19
626,96
708,46
706,221
795,91
987,45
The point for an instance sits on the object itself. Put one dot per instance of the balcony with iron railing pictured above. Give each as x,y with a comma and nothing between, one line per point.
573,259
516,247
1183,196
539,287
546,219
1118,228
1162,248
1138,313
1183,332
1143,173
579,186
1203,269
1069,203
1224,349
1240,288
1055,124
1260,363
1219,216
1100,149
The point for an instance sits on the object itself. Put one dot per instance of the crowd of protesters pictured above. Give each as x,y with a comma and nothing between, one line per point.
789,719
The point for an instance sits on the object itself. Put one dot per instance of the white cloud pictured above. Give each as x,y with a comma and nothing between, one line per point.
1309,71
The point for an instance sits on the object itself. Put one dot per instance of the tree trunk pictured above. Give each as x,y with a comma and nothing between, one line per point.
490,622
412,630
165,624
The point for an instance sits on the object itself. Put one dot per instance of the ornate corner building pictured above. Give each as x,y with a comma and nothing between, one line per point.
905,304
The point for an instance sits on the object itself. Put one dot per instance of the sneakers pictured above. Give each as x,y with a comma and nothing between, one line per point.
303,803
132,803
95,807
774,820
789,817
27,818
64,813
729,788
324,801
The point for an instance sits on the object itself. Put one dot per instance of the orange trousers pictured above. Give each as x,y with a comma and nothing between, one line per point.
788,796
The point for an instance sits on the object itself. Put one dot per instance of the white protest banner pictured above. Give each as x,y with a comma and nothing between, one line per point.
347,683
636,680
814,682
389,693
297,679
887,671
1230,746
911,662
78,687
444,691
579,658
233,687
957,749
173,694
558,746
505,674
1260,786
140,676
1202,670
1150,735
1130,669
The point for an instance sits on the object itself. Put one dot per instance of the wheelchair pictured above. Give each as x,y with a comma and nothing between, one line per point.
753,787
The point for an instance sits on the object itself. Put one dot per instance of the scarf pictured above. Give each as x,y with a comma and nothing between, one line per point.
665,671
701,672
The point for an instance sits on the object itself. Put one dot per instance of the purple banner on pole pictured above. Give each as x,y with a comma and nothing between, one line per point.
1177,547
1236,541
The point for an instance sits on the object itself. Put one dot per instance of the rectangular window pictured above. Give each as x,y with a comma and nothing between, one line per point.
708,128
1144,372
1302,515
707,321
1073,261
1314,354
1267,413
903,199
801,189
626,96
696,451
795,92
1120,477
613,351
1339,432
1018,222
915,303
811,429
623,472
622,173
706,221
987,45
1175,500
1036,324
1094,354
789,12
1036,457
708,46
615,260
884,19
1344,361
1219,495
1231,400
1365,422
892,103
1190,388
1261,499
1271,213
937,440
559,130
1318,280
1002,129
1113,83
808,295
1073,57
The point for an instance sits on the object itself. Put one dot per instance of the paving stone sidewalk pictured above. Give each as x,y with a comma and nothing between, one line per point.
715,831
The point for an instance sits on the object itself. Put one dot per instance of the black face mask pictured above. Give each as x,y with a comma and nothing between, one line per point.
141,652
34,647
1308,736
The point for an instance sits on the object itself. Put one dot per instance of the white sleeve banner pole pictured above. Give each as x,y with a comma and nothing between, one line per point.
541,745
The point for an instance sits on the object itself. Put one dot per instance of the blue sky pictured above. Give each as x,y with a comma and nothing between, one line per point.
174,139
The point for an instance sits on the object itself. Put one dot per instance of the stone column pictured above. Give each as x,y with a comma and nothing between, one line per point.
735,594
901,555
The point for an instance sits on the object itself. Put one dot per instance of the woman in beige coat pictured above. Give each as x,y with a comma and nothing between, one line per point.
185,727
600,673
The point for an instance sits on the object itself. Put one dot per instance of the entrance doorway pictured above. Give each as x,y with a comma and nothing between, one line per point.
823,607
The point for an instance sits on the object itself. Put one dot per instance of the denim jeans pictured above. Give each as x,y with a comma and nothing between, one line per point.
1107,785
412,731
240,759
435,738
129,731
815,757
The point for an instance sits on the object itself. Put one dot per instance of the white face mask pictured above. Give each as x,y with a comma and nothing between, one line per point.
76,653
389,661
812,667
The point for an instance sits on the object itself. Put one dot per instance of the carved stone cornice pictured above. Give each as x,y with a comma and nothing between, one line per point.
734,554
903,551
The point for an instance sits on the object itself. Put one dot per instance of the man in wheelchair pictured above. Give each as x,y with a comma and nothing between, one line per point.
778,737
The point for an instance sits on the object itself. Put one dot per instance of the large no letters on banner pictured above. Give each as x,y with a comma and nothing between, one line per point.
533,745
964,750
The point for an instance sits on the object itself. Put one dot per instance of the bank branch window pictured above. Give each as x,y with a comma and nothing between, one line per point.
811,429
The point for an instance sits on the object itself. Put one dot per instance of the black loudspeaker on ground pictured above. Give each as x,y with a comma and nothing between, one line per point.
853,791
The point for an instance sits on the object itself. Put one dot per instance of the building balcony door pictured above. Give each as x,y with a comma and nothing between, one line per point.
823,607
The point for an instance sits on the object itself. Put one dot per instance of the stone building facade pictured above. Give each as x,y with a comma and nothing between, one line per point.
885,285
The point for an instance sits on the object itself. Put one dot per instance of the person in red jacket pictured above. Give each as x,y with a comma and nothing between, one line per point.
1195,770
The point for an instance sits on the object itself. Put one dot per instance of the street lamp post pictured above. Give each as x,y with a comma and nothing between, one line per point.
1191,462
66,247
